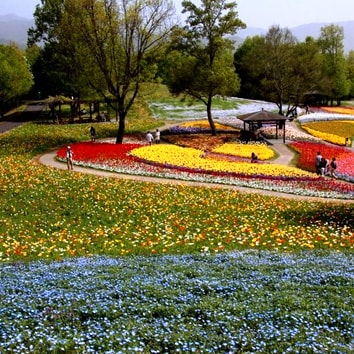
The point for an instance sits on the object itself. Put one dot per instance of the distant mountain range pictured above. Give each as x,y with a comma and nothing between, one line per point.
14,28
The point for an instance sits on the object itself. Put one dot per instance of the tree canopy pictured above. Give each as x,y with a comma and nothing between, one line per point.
334,67
15,75
202,58
278,68
120,41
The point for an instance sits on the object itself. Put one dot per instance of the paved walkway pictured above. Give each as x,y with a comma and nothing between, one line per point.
286,155
49,159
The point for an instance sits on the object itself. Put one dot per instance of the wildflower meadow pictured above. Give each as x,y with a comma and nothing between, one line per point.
94,264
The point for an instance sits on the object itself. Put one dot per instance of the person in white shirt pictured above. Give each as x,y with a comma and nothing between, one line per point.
149,138
157,136
69,158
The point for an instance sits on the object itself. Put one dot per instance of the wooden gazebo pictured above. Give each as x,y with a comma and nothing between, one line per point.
258,119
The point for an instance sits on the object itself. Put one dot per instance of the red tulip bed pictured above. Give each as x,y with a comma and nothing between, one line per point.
344,156
117,158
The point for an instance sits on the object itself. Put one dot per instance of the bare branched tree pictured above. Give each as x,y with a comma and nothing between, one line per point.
120,41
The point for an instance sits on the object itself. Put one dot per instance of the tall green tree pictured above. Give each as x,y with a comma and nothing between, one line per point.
334,64
205,66
51,69
15,75
278,68
120,41
279,51
249,62
350,71
306,73
266,66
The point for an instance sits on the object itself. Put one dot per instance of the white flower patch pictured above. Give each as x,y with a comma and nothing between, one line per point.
198,111
320,116
290,134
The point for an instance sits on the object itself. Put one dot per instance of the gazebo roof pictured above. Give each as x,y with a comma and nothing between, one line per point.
262,116
266,117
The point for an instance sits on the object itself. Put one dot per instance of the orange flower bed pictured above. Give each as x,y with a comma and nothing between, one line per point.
340,110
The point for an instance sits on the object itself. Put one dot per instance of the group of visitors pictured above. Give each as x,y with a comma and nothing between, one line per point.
153,139
324,167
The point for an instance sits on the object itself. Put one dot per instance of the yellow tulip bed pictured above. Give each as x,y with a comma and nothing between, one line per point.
324,130
331,124
204,124
331,138
245,150
190,158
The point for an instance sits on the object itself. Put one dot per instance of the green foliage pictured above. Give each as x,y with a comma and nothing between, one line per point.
202,67
51,64
15,75
249,63
350,68
334,63
121,47
278,68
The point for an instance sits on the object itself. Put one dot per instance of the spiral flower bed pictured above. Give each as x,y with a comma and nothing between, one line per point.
173,162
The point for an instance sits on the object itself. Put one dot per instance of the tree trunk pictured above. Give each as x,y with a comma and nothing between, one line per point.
210,118
121,128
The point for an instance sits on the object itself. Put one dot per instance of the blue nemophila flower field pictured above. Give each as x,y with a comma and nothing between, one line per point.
249,301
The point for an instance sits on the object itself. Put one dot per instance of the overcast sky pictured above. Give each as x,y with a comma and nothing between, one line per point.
255,13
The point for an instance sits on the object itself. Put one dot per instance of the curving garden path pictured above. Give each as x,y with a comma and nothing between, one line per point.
285,158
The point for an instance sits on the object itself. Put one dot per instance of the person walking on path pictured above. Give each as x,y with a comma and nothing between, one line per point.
69,158
157,136
93,133
149,138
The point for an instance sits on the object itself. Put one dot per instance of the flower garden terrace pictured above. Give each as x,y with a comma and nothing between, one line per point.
227,161
93,264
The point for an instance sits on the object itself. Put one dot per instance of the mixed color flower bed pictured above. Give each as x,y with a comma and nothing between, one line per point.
187,163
